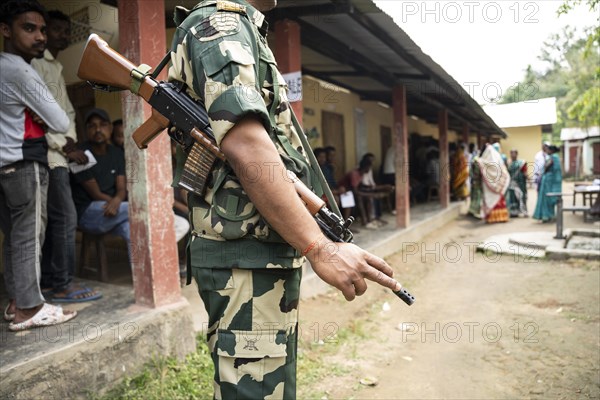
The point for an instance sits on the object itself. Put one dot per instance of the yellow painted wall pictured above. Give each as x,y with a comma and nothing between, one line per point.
526,140
317,97
376,116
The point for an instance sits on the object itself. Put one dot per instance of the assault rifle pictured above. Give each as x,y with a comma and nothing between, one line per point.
186,121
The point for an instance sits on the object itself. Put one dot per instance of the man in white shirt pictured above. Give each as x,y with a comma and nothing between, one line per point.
539,163
58,253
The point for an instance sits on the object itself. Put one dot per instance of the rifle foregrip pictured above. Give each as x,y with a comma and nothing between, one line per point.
203,140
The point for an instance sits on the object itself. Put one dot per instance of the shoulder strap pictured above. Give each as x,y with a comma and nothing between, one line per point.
314,165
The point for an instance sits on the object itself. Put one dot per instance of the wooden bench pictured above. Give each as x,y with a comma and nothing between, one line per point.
587,216
362,196
586,193
96,242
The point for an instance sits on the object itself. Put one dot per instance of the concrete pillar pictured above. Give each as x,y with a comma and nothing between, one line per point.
480,142
400,141
287,53
444,159
154,260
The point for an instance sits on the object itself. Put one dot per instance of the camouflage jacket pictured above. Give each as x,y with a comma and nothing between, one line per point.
220,52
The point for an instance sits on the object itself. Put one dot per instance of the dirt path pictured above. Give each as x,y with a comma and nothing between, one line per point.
483,326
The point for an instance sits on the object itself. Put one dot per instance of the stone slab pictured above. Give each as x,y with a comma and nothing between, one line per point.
113,338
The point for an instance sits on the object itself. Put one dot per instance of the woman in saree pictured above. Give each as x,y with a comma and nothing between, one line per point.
460,172
516,197
476,189
551,183
495,180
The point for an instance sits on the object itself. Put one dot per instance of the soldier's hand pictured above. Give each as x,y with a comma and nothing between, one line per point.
346,266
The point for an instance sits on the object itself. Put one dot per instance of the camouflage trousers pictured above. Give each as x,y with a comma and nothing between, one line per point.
252,332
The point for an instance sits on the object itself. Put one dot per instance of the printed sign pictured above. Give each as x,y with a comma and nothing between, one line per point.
294,82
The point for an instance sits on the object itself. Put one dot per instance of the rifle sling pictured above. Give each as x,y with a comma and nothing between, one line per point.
137,77
315,166
316,169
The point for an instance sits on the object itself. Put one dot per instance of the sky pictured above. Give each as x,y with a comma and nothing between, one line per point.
485,45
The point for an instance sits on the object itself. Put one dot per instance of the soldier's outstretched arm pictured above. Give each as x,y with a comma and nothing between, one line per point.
342,265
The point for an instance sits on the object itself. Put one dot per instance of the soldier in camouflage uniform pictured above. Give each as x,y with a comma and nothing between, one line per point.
250,230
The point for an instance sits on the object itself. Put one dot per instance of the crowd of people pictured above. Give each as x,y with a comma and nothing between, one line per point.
496,185
357,185
51,185
499,185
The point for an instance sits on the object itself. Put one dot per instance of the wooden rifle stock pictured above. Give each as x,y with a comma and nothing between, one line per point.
313,203
104,66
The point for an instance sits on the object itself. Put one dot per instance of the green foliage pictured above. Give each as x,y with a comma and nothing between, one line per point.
593,39
572,74
169,378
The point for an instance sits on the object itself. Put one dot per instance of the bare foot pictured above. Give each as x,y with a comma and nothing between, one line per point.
75,293
23,314
12,307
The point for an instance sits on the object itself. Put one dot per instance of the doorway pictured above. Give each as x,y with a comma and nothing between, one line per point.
334,135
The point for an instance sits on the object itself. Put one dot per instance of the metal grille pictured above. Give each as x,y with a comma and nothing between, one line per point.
80,25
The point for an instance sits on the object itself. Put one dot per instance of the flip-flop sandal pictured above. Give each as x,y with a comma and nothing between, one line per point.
8,317
72,297
48,315
48,293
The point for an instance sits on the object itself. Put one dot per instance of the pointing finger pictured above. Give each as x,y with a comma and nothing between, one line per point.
383,279
380,264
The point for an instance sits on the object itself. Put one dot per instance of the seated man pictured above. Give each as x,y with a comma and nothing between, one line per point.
325,160
353,180
99,192
368,184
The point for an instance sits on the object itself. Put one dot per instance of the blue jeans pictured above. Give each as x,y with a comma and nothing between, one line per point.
93,221
23,192
58,253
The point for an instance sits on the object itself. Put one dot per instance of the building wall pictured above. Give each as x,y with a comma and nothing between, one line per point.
377,116
527,140
588,155
319,96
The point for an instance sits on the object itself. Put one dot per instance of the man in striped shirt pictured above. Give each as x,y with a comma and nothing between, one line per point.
27,111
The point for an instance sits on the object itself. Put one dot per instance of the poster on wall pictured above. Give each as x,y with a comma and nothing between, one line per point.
294,82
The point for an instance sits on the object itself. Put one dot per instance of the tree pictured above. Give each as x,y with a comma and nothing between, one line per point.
586,107
569,74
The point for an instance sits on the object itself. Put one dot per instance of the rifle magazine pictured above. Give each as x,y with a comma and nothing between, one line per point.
197,168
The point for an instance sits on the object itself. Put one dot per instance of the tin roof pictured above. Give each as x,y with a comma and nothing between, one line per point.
355,45
525,113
